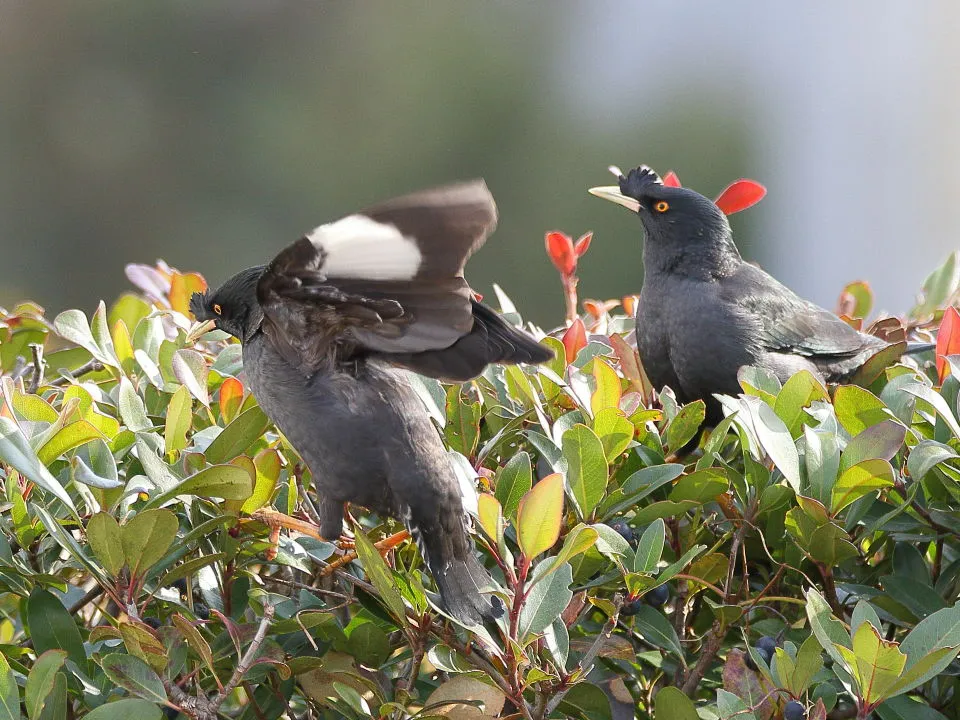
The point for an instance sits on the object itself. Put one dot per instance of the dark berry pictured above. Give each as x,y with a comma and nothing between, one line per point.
658,596
794,711
765,652
624,530
152,622
181,586
631,606
170,713
767,644
201,611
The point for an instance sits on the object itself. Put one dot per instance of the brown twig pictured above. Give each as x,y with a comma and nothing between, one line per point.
88,367
717,631
91,595
248,657
38,368
586,662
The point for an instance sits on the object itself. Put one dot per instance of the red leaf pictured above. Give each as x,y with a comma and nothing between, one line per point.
948,340
231,398
671,179
583,244
740,195
560,250
629,303
574,339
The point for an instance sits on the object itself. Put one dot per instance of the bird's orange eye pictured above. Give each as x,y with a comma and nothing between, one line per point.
662,206
217,309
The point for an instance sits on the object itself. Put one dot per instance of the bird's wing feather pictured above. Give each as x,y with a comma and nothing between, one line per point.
387,280
788,322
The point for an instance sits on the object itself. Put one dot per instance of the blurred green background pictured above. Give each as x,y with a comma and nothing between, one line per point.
211,133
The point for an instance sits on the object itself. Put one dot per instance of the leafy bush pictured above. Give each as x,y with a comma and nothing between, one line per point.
157,554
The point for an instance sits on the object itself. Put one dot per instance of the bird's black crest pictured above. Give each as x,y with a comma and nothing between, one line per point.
198,306
637,181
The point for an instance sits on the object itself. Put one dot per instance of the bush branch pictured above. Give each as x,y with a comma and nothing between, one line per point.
248,657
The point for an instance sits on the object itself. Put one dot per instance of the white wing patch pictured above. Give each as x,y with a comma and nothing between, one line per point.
361,248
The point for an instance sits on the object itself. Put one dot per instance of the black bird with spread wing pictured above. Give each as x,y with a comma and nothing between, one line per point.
704,312
328,329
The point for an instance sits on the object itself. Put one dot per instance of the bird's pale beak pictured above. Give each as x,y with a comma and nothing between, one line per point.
613,194
199,330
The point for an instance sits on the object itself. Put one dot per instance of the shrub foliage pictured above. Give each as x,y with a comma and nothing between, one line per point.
157,555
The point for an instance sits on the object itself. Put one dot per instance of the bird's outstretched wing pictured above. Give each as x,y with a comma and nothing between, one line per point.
789,323
389,281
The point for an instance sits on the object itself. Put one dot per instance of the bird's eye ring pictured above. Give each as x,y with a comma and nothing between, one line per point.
217,309
662,206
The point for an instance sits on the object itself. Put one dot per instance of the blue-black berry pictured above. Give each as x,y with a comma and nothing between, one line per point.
631,606
152,622
624,530
658,596
201,611
794,711
767,644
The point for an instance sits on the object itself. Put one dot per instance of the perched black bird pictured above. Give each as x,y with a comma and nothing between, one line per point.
329,328
704,312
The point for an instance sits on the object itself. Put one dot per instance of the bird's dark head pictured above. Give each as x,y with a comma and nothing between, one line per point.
679,222
232,307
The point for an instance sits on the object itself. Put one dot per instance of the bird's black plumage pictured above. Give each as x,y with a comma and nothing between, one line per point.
704,312
328,328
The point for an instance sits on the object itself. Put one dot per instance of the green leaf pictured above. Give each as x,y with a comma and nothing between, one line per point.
857,409
103,534
608,392
81,473
672,703
809,663
463,423
540,515
53,628
577,541
132,410
268,465
16,452
683,428
513,482
821,459
586,467
935,632
585,700
878,662
549,596
229,482
67,438
939,286
237,436
937,401
195,640
41,681
653,626
379,574
72,325
878,441
179,419
368,644
55,708
126,709
861,479
135,676
774,438
907,708
828,630
650,547
9,693
700,486
191,369
147,536
614,430
800,390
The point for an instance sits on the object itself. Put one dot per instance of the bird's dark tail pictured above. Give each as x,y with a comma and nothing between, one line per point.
491,340
464,583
